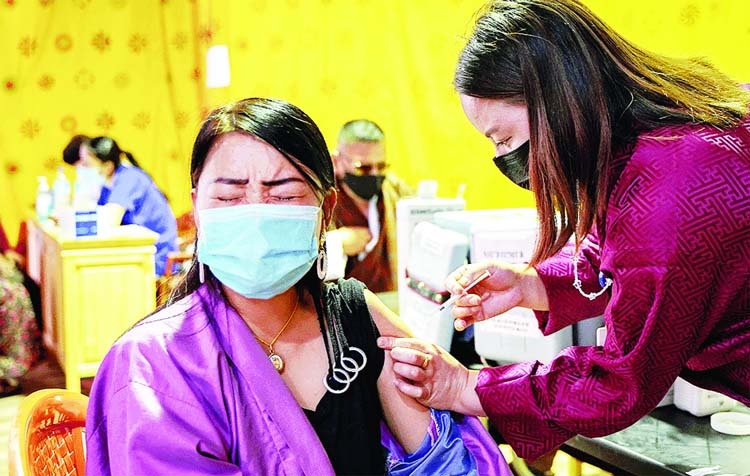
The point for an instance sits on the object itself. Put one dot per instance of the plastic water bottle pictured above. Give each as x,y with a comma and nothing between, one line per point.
43,203
60,193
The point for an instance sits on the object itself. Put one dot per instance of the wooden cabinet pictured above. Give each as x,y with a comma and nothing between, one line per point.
93,289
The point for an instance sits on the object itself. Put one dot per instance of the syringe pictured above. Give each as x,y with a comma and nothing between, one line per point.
455,297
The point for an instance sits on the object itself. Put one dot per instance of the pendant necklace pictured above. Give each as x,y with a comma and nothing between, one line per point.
276,360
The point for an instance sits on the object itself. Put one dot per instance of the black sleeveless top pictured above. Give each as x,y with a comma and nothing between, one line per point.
348,424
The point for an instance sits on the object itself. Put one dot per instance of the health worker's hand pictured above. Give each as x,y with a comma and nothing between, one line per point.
508,286
432,376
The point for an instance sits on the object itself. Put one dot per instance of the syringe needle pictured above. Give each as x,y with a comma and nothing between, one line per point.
455,297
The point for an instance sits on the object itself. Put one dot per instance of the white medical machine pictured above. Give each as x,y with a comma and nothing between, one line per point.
435,251
420,287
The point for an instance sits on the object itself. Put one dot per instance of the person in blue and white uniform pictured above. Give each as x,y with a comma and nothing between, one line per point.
130,196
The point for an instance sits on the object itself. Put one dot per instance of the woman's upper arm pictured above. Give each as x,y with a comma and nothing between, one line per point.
388,322
407,419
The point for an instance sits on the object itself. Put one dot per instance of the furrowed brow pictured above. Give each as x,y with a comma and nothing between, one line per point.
274,183
231,181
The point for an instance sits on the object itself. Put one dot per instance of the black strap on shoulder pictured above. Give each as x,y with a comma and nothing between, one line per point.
347,325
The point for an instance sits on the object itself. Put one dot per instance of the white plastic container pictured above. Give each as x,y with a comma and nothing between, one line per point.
79,223
698,401
506,234
61,197
43,202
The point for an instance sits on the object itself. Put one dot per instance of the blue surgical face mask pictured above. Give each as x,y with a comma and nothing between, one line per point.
259,250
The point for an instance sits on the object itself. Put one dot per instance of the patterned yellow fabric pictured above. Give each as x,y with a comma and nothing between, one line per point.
135,69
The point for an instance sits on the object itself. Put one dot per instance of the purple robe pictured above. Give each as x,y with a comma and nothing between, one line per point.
189,391
678,249
180,394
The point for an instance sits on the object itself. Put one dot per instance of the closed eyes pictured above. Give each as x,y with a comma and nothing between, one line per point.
503,143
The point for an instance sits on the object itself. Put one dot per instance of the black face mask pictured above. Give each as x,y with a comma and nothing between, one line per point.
365,186
515,165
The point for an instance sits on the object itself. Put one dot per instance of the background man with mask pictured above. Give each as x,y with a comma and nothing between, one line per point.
365,215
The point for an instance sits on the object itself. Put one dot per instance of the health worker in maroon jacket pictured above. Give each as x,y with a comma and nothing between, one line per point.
644,161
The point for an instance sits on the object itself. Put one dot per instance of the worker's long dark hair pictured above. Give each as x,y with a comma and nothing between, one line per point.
589,93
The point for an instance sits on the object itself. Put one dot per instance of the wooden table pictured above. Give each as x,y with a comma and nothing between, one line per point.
93,289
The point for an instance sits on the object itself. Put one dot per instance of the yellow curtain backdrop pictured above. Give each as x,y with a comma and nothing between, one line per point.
120,68
135,70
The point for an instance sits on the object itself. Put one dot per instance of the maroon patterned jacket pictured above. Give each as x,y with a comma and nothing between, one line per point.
678,249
